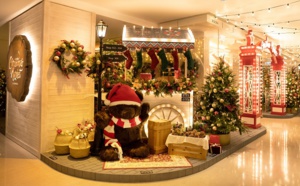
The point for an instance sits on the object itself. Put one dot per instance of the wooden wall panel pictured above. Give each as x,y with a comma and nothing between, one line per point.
23,118
65,102
53,100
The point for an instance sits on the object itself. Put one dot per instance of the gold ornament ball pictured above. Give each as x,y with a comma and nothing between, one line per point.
211,110
83,62
221,100
77,64
72,44
215,90
98,62
79,49
56,58
73,50
63,45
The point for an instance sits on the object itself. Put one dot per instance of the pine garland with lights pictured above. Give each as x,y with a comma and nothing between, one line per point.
219,109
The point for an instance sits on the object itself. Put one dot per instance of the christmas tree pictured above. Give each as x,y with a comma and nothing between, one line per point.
219,109
292,89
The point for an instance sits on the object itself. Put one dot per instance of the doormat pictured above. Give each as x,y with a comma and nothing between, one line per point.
152,161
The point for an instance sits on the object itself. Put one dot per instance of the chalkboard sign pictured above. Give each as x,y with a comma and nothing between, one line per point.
185,97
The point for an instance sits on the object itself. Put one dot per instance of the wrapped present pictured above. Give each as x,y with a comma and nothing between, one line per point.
146,76
215,148
214,139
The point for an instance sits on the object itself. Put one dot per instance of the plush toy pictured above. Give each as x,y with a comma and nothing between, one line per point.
122,124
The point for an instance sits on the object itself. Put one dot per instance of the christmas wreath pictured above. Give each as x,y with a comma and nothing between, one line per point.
70,57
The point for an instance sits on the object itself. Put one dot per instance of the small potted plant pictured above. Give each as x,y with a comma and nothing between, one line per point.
80,146
62,141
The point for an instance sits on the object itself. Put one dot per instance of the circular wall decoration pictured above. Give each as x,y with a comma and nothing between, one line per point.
19,67
70,57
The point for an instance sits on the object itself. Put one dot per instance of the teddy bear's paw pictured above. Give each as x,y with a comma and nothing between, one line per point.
109,154
141,152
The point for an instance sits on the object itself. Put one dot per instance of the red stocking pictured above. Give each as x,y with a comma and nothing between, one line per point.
175,57
154,59
129,59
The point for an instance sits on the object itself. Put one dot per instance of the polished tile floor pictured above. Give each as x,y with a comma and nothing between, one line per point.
272,160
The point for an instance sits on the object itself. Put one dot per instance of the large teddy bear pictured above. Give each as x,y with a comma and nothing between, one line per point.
122,124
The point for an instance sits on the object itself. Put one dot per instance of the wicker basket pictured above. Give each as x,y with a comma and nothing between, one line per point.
158,131
79,148
61,144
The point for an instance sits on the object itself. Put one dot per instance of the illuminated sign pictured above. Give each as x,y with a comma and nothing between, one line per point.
19,67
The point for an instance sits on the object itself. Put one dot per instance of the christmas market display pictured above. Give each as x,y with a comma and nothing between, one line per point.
120,96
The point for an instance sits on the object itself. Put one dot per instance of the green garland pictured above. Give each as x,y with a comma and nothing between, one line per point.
78,61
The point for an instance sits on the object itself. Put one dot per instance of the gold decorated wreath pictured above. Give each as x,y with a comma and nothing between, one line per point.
70,57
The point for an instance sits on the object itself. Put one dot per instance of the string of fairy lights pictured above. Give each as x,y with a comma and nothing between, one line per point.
232,18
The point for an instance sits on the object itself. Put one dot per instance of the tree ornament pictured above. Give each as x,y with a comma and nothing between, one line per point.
164,62
129,59
154,59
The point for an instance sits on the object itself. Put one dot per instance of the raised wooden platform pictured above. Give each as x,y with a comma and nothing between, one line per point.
91,167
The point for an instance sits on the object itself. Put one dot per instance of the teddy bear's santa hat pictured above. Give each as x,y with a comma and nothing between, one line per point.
122,94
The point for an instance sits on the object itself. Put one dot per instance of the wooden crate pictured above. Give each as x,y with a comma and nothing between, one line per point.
187,150
158,131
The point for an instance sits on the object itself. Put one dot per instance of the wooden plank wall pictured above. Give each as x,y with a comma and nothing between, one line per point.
53,100
65,102
23,118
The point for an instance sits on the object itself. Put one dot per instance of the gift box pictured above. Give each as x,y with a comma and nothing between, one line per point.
215,149
214,139
146,76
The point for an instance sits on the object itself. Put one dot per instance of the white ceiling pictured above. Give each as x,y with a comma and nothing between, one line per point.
281,24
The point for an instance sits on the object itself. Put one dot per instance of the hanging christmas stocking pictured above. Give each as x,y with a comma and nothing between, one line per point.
175,57
190,61
129,59
164,61
139,59
154,60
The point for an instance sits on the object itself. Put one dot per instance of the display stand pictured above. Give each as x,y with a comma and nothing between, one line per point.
278,78
250,85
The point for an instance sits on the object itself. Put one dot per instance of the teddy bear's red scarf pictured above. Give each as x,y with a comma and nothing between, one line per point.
109,130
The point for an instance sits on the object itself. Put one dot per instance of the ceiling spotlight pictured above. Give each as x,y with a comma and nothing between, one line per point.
288,5
252,13
269,10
